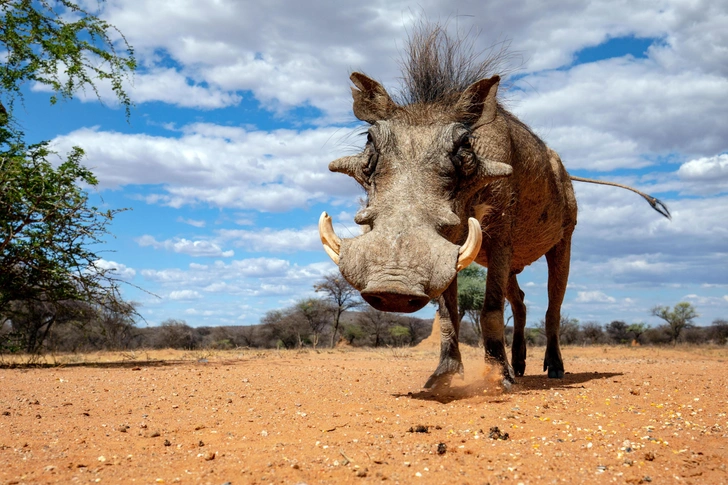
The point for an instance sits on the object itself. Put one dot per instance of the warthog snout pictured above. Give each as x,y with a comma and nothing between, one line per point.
399,269
394,298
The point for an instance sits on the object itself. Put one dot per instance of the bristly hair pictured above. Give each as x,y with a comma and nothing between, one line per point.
437,67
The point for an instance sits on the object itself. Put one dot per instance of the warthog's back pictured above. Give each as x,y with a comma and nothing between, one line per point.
537,201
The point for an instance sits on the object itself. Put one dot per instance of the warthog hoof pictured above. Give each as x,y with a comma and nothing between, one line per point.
556,374
518,357
506,385
556,370
552,362
508,374
444,373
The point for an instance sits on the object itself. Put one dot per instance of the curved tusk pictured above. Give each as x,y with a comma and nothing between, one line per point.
331,242
469,250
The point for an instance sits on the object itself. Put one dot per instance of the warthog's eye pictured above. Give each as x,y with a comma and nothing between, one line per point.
463,156
372,157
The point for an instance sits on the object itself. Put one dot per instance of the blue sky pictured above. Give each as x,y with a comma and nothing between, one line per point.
240,106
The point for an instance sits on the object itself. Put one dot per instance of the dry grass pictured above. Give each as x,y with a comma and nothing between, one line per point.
141,356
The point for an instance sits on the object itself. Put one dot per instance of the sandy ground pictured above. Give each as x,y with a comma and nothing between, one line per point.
621,415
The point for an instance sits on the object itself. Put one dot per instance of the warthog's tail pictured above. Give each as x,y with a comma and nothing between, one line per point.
654,202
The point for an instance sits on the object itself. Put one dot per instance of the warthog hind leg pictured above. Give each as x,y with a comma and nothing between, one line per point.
451,362
558,263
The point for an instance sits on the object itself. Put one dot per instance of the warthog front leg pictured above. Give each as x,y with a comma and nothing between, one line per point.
491,317
451,362
518,350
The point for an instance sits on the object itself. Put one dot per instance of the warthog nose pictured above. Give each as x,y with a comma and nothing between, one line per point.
395,301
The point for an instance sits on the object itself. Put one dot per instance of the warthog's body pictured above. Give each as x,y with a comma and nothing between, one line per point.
451,154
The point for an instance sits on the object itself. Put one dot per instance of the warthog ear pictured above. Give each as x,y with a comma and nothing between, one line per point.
348,165
351,166
371,101
478,102
490,170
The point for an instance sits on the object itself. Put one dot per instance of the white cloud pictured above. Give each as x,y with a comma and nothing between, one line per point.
220,272
116,269
219,165
303,55
266,239
705,176
695,37
255,277
594,297
184,295
703,301
185,246
609,114
621,238
172,87
192,222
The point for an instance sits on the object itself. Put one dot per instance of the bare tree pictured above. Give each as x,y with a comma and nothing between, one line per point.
375,323
719,331
341,295
218,338
175,334
247,335
316,313
283,328
592,333
568,329
618,332
116,324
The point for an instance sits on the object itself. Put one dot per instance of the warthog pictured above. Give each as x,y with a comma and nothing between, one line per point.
452,177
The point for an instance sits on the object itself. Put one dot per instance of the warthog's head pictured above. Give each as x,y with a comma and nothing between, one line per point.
420,172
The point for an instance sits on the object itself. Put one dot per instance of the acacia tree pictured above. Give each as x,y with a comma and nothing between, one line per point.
471,292
637,329
47,225
316,314
677,319
342,297
62,47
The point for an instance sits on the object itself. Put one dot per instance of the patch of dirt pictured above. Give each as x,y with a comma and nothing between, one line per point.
623,415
